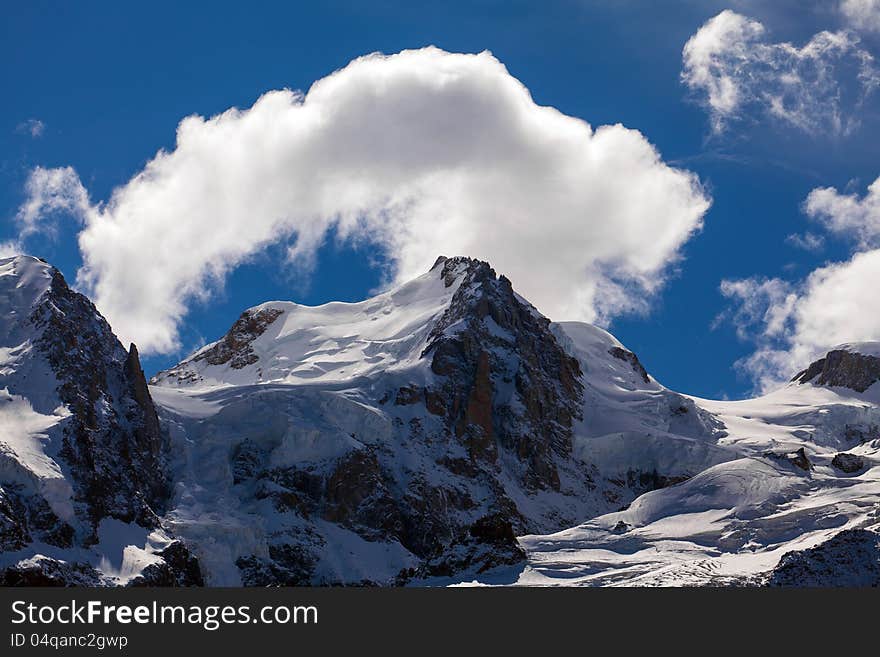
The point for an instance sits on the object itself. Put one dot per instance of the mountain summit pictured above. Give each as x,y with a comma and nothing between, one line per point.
81,451
442,431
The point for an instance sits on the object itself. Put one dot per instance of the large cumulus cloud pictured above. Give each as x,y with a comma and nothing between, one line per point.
422,153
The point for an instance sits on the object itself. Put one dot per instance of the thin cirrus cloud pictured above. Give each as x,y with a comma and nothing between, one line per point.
862,14
49,193
792,323
33,127
806,242
420,153
735,70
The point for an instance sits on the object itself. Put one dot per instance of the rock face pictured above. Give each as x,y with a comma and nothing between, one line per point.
235,347
500,358
112,442
843,367
849,558
632,359
797,458
43,571
84,445
848,463
432,424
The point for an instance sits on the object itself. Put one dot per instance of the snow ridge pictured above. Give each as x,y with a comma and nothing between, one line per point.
441,432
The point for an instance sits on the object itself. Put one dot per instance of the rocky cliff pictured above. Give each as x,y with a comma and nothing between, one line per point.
83,445
430,425
845,367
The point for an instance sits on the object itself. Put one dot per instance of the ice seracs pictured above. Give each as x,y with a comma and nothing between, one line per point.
413,421
795,503
441,432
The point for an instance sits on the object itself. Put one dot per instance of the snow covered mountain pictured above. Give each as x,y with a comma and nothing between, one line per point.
798,503
412,435
441,432
82,471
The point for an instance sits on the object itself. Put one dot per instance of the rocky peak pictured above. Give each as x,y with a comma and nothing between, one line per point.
850,366
235,347
103,451
112,441
505,383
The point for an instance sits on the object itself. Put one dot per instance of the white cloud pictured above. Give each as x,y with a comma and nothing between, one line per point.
733,69
794,323
862,14
51,192
33,127
10,248
763,302
847,214
806,242
422,153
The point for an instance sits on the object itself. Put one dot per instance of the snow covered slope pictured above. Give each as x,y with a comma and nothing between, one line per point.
410,435
807,476
632,427
285,343
442,432
81,464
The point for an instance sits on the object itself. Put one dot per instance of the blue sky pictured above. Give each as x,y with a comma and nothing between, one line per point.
109,83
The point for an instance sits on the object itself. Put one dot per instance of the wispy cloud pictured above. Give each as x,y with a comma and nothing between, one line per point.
50,194
806,241
735,71
33,127
862,14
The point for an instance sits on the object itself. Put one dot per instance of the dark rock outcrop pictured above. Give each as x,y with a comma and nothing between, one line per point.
287,565
108,443
178,567
235,347
112,441
43,571
797,458
849,558
26,518
848,463
489,543
842,368
633,360
500,357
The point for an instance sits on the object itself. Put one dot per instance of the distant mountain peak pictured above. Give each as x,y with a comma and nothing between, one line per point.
855,366
430,431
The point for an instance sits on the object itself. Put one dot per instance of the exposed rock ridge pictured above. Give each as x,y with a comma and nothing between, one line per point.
111,447
505,382
633,360
236,347
112,441
842,368
849,558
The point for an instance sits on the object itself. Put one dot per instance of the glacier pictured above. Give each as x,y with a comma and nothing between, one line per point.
446,433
